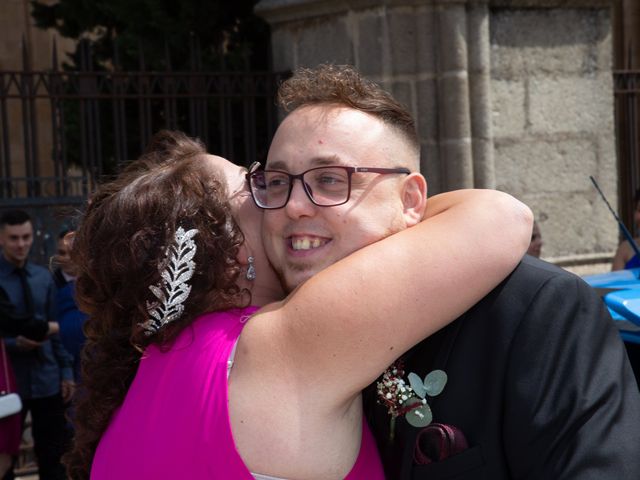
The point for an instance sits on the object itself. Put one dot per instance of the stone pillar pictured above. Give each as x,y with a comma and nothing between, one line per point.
480,96
452,73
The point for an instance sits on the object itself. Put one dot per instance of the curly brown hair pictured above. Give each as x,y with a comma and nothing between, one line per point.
343,85
120,248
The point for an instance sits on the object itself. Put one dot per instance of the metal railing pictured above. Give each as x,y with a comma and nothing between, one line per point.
627,111
62,131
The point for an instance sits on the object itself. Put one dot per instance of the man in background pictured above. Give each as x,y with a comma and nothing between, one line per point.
70,318
535,247
42,368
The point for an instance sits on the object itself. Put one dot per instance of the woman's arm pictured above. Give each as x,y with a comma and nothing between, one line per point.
345,325
622,256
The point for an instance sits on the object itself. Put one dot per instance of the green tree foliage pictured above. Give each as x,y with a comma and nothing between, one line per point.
229,34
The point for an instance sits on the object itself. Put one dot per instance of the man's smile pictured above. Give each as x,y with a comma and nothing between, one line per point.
306,242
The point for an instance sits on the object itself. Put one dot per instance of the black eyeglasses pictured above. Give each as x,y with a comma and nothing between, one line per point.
325,186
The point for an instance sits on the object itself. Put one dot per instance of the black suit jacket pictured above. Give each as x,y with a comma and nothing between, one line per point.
539,383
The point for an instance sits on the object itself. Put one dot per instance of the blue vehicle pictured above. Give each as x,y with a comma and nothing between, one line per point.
621,294
620,291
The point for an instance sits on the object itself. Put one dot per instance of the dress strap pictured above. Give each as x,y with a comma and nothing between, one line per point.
259,476
232,356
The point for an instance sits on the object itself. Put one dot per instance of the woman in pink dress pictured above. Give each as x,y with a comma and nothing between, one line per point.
10,426
256,388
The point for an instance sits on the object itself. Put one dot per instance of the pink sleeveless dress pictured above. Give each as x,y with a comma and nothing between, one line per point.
174,421
11,426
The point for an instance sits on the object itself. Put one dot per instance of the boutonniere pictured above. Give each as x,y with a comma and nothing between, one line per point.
409,397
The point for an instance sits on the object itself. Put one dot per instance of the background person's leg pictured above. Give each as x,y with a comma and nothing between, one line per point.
48,427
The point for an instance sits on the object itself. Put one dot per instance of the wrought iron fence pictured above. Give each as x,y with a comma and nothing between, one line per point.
627,108
62,131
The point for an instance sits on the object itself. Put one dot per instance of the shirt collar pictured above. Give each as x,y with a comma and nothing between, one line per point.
67,277
6,267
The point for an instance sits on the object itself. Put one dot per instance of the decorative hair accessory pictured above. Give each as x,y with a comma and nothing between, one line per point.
173,289
410,399
251,269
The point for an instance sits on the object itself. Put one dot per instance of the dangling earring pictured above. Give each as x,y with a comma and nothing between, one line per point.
251,269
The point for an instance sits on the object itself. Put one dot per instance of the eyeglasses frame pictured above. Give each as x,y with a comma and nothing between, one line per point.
256,167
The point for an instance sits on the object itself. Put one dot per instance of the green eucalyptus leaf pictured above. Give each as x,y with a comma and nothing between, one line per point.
435,382
420,416
416,383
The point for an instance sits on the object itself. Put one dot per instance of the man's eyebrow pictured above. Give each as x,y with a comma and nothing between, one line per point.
329,160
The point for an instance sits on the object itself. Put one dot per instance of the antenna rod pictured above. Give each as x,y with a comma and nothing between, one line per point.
623,229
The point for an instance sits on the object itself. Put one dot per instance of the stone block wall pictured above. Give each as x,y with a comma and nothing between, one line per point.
552,125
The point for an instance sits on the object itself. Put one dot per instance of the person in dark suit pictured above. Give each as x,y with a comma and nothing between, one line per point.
42,369
14,324
536,381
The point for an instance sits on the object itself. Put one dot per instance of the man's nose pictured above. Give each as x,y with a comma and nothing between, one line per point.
299,203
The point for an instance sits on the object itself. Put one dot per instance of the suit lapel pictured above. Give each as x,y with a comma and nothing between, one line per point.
397,454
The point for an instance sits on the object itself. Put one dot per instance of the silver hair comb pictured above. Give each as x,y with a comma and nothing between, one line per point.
173,289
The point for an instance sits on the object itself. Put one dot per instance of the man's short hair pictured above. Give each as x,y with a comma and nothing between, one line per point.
343,85
14,217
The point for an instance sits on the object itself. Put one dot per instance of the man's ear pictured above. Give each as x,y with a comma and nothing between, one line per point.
414,198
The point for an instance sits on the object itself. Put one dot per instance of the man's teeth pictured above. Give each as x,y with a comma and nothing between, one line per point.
305,243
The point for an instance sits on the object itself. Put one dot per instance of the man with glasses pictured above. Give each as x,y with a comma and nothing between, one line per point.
325,186
537,382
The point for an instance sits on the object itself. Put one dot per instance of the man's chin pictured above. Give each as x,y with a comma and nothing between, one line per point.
292,280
